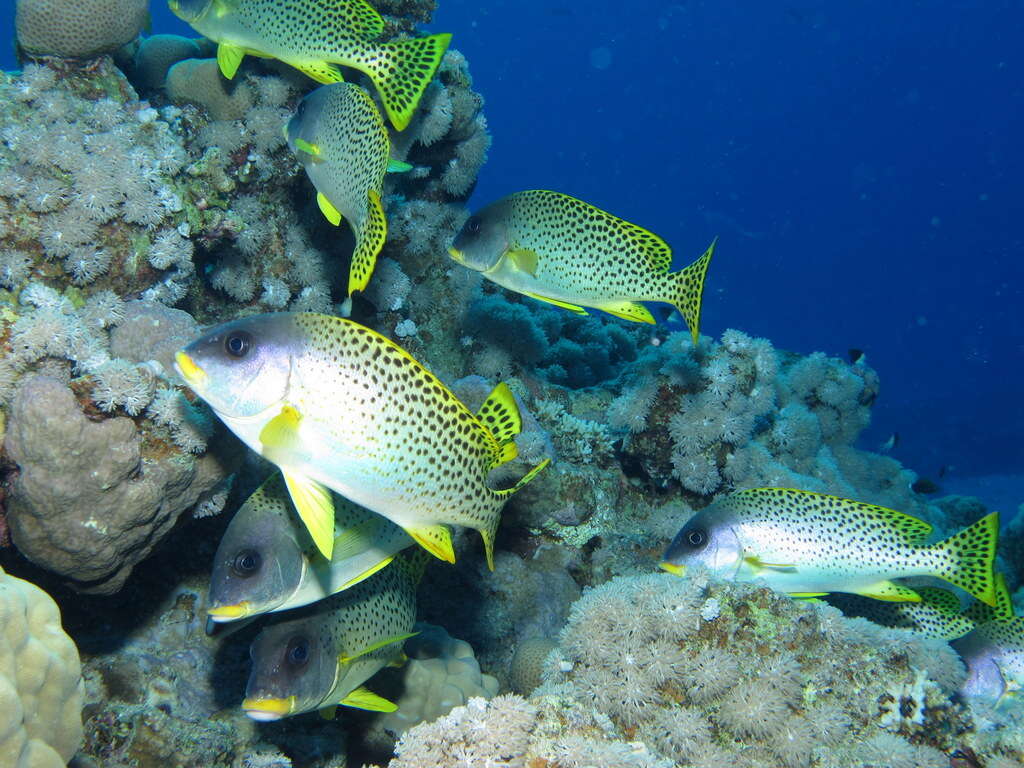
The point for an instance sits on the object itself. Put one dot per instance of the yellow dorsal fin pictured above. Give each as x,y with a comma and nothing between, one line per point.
436,539
500,415
369,241
327,208
557,303
316,508
343,659
364,698
889,591
629,310
524,259
229,58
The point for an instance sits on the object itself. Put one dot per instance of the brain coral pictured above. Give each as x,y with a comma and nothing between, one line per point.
78,29
40,680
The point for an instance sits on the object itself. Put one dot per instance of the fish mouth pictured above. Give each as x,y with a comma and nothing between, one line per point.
675,570
265,710
229,612
456,254
193,375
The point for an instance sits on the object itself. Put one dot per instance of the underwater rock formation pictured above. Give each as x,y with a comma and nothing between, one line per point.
77,30
40,680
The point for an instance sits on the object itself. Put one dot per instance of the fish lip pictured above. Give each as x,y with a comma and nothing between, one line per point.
186,367
264,710
673,568
220,613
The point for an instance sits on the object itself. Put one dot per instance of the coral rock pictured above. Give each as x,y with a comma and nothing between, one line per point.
79,29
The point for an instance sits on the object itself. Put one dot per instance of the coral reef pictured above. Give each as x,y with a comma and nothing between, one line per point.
77,30
40,680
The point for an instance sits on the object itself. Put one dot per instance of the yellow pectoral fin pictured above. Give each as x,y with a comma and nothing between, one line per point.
524,259
557,303
809,596
313,150
629,310
757,564
436,539
363,698
343,659
366,574
316,508
229,58
889,591
321,71
398,166
327,209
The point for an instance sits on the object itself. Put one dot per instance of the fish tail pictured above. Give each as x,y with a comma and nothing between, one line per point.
402,72
369,240
489,527
686,290
969,559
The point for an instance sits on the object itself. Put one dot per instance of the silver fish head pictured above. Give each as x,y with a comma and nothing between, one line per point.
190,10
484,238
259,563
709,539
242,368
303,128
293,670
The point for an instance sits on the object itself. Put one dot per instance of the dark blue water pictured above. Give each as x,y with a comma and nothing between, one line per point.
861,163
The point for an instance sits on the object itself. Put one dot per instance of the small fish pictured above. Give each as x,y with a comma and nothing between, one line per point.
809,544
322,659
891,442
555,248
994,655
857,356
338,406
315,36
924,486
944,470
339,137
267,562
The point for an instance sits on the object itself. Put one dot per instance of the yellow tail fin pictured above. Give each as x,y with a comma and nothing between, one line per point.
402,71
369,240
971,559
686,290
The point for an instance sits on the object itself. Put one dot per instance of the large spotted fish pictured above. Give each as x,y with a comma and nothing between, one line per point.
315,36
322,658
339,137
337,406
809,544
267,561
561,250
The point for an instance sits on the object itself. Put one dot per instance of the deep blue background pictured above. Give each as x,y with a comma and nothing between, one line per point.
861,162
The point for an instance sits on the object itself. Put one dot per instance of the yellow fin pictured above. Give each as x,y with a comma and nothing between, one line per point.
436,539
557,303
229,58
970,561
280,435
629,310
316,508
400,71
1002,610
343,659
312,150
366,574
525,260
500,415
369,240
327,209
364,698
398,166
889,591
328,713
758,564
686,290
321,71
811,597
489,525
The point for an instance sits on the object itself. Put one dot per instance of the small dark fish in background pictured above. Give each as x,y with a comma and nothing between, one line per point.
857,356
892,442
925,486
944,469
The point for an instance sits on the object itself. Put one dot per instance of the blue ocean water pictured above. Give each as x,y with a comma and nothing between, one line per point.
861,164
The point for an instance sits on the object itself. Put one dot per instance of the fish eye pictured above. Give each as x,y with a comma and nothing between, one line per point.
297,653
238,343
247,562
473,225
697,538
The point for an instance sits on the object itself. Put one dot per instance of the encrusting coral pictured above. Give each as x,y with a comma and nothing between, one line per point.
80,29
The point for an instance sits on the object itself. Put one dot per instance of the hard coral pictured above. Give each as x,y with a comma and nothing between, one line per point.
79,29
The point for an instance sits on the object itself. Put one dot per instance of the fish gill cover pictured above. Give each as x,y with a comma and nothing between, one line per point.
857,167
